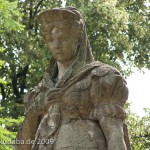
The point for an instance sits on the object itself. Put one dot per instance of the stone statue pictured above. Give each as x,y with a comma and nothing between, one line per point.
78,105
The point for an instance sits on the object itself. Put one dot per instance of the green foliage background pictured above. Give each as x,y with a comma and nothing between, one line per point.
119,35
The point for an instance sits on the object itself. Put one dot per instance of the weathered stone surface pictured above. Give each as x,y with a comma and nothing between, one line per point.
78,105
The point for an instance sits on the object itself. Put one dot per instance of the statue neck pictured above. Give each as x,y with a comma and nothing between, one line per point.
62,68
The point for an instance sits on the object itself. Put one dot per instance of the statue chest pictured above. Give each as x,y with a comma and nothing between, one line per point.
76,101
76,104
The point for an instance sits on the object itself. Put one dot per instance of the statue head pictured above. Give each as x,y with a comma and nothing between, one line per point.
64,28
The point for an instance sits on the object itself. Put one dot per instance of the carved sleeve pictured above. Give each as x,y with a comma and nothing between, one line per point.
109,94
35,109
38,93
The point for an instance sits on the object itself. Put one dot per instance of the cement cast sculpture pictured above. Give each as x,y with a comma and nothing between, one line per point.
79,103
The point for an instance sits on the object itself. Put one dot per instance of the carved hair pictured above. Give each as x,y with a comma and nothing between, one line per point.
67,17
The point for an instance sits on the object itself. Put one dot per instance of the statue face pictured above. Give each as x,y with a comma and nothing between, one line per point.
62,44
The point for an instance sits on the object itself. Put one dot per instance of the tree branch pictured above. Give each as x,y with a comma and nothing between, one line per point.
30,15
2,91
36,8
22,79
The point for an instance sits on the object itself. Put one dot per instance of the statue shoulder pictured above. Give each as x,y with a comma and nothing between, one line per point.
108,92
108,85
104,69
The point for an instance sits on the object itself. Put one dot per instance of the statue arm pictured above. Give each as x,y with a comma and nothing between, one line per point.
113,132
33,101
109,94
